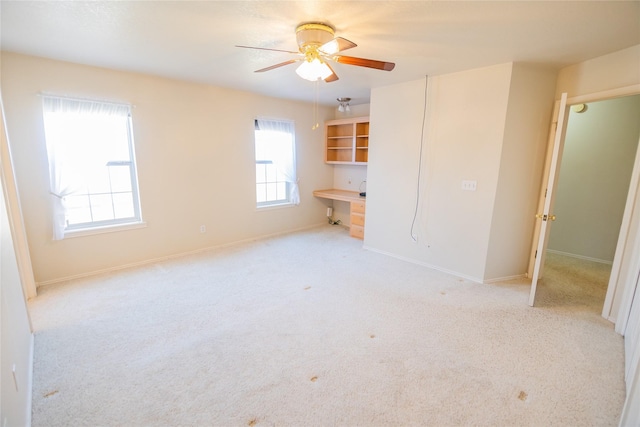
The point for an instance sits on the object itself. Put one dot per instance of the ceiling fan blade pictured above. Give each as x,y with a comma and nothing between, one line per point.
362,62
264,48
336,45
282,64
333,77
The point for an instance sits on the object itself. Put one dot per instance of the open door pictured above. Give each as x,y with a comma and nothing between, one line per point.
545,178
546,216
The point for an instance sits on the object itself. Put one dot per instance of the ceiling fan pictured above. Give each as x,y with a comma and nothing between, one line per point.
317,45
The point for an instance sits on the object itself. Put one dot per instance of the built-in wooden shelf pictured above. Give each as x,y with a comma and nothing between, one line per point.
347,141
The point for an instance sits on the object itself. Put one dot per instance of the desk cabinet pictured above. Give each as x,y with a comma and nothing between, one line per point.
356,229
356,211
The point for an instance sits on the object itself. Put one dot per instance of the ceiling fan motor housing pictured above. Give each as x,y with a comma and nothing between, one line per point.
312,35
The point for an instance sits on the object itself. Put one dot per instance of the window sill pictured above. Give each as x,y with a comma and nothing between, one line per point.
106,229
278,206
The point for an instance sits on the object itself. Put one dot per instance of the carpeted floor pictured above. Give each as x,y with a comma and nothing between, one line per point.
572,282
309,329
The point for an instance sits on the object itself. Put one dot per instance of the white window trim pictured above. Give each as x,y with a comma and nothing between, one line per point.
276,206
90,231
99,227
292,181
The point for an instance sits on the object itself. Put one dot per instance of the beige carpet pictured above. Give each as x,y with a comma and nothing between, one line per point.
573,283
309,329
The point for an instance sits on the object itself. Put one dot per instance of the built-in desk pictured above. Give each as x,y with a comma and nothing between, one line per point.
357,202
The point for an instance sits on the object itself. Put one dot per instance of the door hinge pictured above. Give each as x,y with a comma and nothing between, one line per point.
536,254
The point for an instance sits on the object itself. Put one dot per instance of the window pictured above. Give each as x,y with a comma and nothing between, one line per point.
276,182
92,171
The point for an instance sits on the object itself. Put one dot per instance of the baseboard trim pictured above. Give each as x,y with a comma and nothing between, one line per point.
424,264
173,256
506,278
586,258
444,270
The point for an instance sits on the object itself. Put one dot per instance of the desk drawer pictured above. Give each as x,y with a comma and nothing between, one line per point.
356,231
357,207
357,219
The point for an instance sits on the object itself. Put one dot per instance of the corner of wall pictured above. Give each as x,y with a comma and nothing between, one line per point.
521,164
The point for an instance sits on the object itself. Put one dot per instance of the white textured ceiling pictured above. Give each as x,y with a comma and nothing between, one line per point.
194,40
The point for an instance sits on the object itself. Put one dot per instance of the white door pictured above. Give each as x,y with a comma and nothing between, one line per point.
546,217
547,162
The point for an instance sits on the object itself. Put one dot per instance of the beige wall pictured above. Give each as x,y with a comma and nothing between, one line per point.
521,163
599,153
452,226
194,149
445,233
615,70
16,339
481,125
394,145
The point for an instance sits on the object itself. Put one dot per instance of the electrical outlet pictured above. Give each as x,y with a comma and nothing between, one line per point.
203,228
349,180
469,185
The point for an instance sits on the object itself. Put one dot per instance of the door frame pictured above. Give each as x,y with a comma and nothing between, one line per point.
14,211
623,266
625,262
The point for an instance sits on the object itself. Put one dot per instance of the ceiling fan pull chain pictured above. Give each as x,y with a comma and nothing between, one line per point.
315,106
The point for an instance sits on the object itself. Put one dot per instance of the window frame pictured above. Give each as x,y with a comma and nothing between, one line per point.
106,225
275,203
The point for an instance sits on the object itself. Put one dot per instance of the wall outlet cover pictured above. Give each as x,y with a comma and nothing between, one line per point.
469,185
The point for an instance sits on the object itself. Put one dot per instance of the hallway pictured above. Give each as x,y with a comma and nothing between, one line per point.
573,282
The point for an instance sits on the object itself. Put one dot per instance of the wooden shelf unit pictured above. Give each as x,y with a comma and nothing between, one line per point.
347,141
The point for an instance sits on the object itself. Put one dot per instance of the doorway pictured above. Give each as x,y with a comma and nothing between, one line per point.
595,173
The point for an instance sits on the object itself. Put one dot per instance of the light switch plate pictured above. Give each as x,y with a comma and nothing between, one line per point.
468,185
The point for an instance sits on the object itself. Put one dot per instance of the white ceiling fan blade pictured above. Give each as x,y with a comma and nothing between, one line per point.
282,64
265,48
336,45
333,77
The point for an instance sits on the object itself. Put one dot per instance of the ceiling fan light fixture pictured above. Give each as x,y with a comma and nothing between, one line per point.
314,70
344,104
316,44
